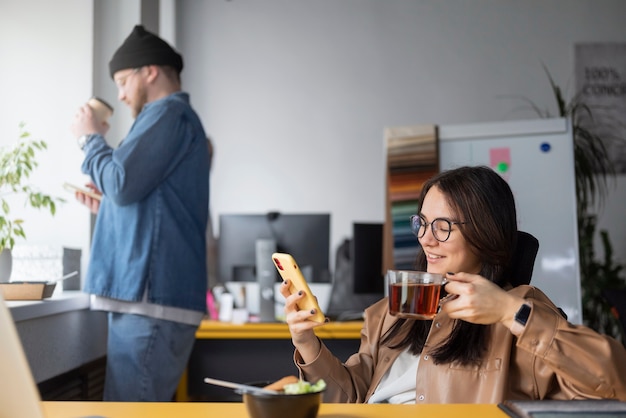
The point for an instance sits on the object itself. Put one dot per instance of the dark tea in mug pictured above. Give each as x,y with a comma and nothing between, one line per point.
414,294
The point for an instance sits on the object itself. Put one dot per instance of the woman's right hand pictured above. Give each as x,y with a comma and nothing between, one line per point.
300,327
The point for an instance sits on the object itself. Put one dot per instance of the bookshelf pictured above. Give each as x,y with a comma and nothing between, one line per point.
412,157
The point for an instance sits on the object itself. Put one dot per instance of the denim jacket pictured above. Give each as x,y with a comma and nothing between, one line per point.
150,229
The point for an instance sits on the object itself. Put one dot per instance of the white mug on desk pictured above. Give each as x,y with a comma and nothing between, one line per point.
226,307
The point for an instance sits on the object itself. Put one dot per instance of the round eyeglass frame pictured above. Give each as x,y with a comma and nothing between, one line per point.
417,221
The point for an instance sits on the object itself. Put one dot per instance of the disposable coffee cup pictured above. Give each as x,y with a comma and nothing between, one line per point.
101,109
414,294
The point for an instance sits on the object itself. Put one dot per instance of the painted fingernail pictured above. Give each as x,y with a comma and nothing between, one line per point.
300,293
312,311
326,319
450,273
285,283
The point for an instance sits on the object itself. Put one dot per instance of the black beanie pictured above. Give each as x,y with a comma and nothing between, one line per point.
144,48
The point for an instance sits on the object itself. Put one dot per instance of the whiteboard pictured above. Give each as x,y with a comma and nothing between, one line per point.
536,157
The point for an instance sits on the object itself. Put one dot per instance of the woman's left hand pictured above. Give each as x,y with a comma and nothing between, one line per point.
475,299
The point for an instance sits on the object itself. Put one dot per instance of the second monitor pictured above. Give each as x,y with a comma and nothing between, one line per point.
306,236
246,243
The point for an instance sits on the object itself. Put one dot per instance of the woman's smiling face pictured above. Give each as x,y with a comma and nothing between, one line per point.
454,255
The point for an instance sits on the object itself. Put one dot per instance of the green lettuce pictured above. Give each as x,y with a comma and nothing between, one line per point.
304,387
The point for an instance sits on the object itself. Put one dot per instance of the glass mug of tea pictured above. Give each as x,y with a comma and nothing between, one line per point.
414,294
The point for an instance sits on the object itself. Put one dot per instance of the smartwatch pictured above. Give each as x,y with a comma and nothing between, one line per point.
521,317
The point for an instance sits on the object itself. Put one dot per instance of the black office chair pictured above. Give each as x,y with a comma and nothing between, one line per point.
617,300
521,269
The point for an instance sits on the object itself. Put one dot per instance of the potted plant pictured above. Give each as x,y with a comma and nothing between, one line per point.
593,168
17,162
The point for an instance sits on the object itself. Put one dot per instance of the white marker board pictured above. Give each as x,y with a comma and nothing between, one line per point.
536,157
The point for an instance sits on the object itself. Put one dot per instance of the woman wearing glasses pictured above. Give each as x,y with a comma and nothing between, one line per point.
489,342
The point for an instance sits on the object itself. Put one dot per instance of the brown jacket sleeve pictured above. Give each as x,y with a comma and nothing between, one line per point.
585,364
354,380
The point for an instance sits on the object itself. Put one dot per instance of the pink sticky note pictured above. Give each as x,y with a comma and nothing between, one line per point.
500,159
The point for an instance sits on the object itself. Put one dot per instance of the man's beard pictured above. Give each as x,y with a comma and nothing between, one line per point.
141,98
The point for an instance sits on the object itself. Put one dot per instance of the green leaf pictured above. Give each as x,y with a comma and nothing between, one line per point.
17,162
593,168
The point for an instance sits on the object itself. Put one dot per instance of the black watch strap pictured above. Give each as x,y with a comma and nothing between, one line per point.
521,317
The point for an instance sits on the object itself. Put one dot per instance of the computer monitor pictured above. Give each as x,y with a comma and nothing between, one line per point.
367,258
305,236
359,280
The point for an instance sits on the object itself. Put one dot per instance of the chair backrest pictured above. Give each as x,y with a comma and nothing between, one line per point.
521,269
617,300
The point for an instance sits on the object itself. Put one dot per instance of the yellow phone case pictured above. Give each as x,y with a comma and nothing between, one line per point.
289,270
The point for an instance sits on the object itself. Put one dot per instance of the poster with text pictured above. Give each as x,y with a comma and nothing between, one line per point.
600,71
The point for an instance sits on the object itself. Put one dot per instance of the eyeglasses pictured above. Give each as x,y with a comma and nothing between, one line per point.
440,227
121,82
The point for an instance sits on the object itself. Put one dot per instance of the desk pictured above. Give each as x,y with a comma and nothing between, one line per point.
213,330
59,335
253,352
238,409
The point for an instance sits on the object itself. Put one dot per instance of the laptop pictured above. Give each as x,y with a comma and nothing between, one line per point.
19,395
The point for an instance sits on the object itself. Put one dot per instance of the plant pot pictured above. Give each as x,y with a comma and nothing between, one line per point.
6,265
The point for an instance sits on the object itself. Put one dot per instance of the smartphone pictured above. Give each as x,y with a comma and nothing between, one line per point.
289,270
86,191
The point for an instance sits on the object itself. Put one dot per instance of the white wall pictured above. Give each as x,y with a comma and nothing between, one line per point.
54,57
46,73
296,93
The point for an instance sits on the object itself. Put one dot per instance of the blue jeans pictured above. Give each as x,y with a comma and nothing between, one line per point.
146,357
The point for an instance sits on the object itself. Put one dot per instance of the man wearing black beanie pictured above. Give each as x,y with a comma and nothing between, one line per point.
144,48
148,256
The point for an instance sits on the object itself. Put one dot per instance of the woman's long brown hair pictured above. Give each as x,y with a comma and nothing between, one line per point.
483,200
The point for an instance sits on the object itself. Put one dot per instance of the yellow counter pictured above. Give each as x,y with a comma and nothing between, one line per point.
229,410
252,352
210,329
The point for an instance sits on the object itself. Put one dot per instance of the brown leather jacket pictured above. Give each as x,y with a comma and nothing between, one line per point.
551,359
